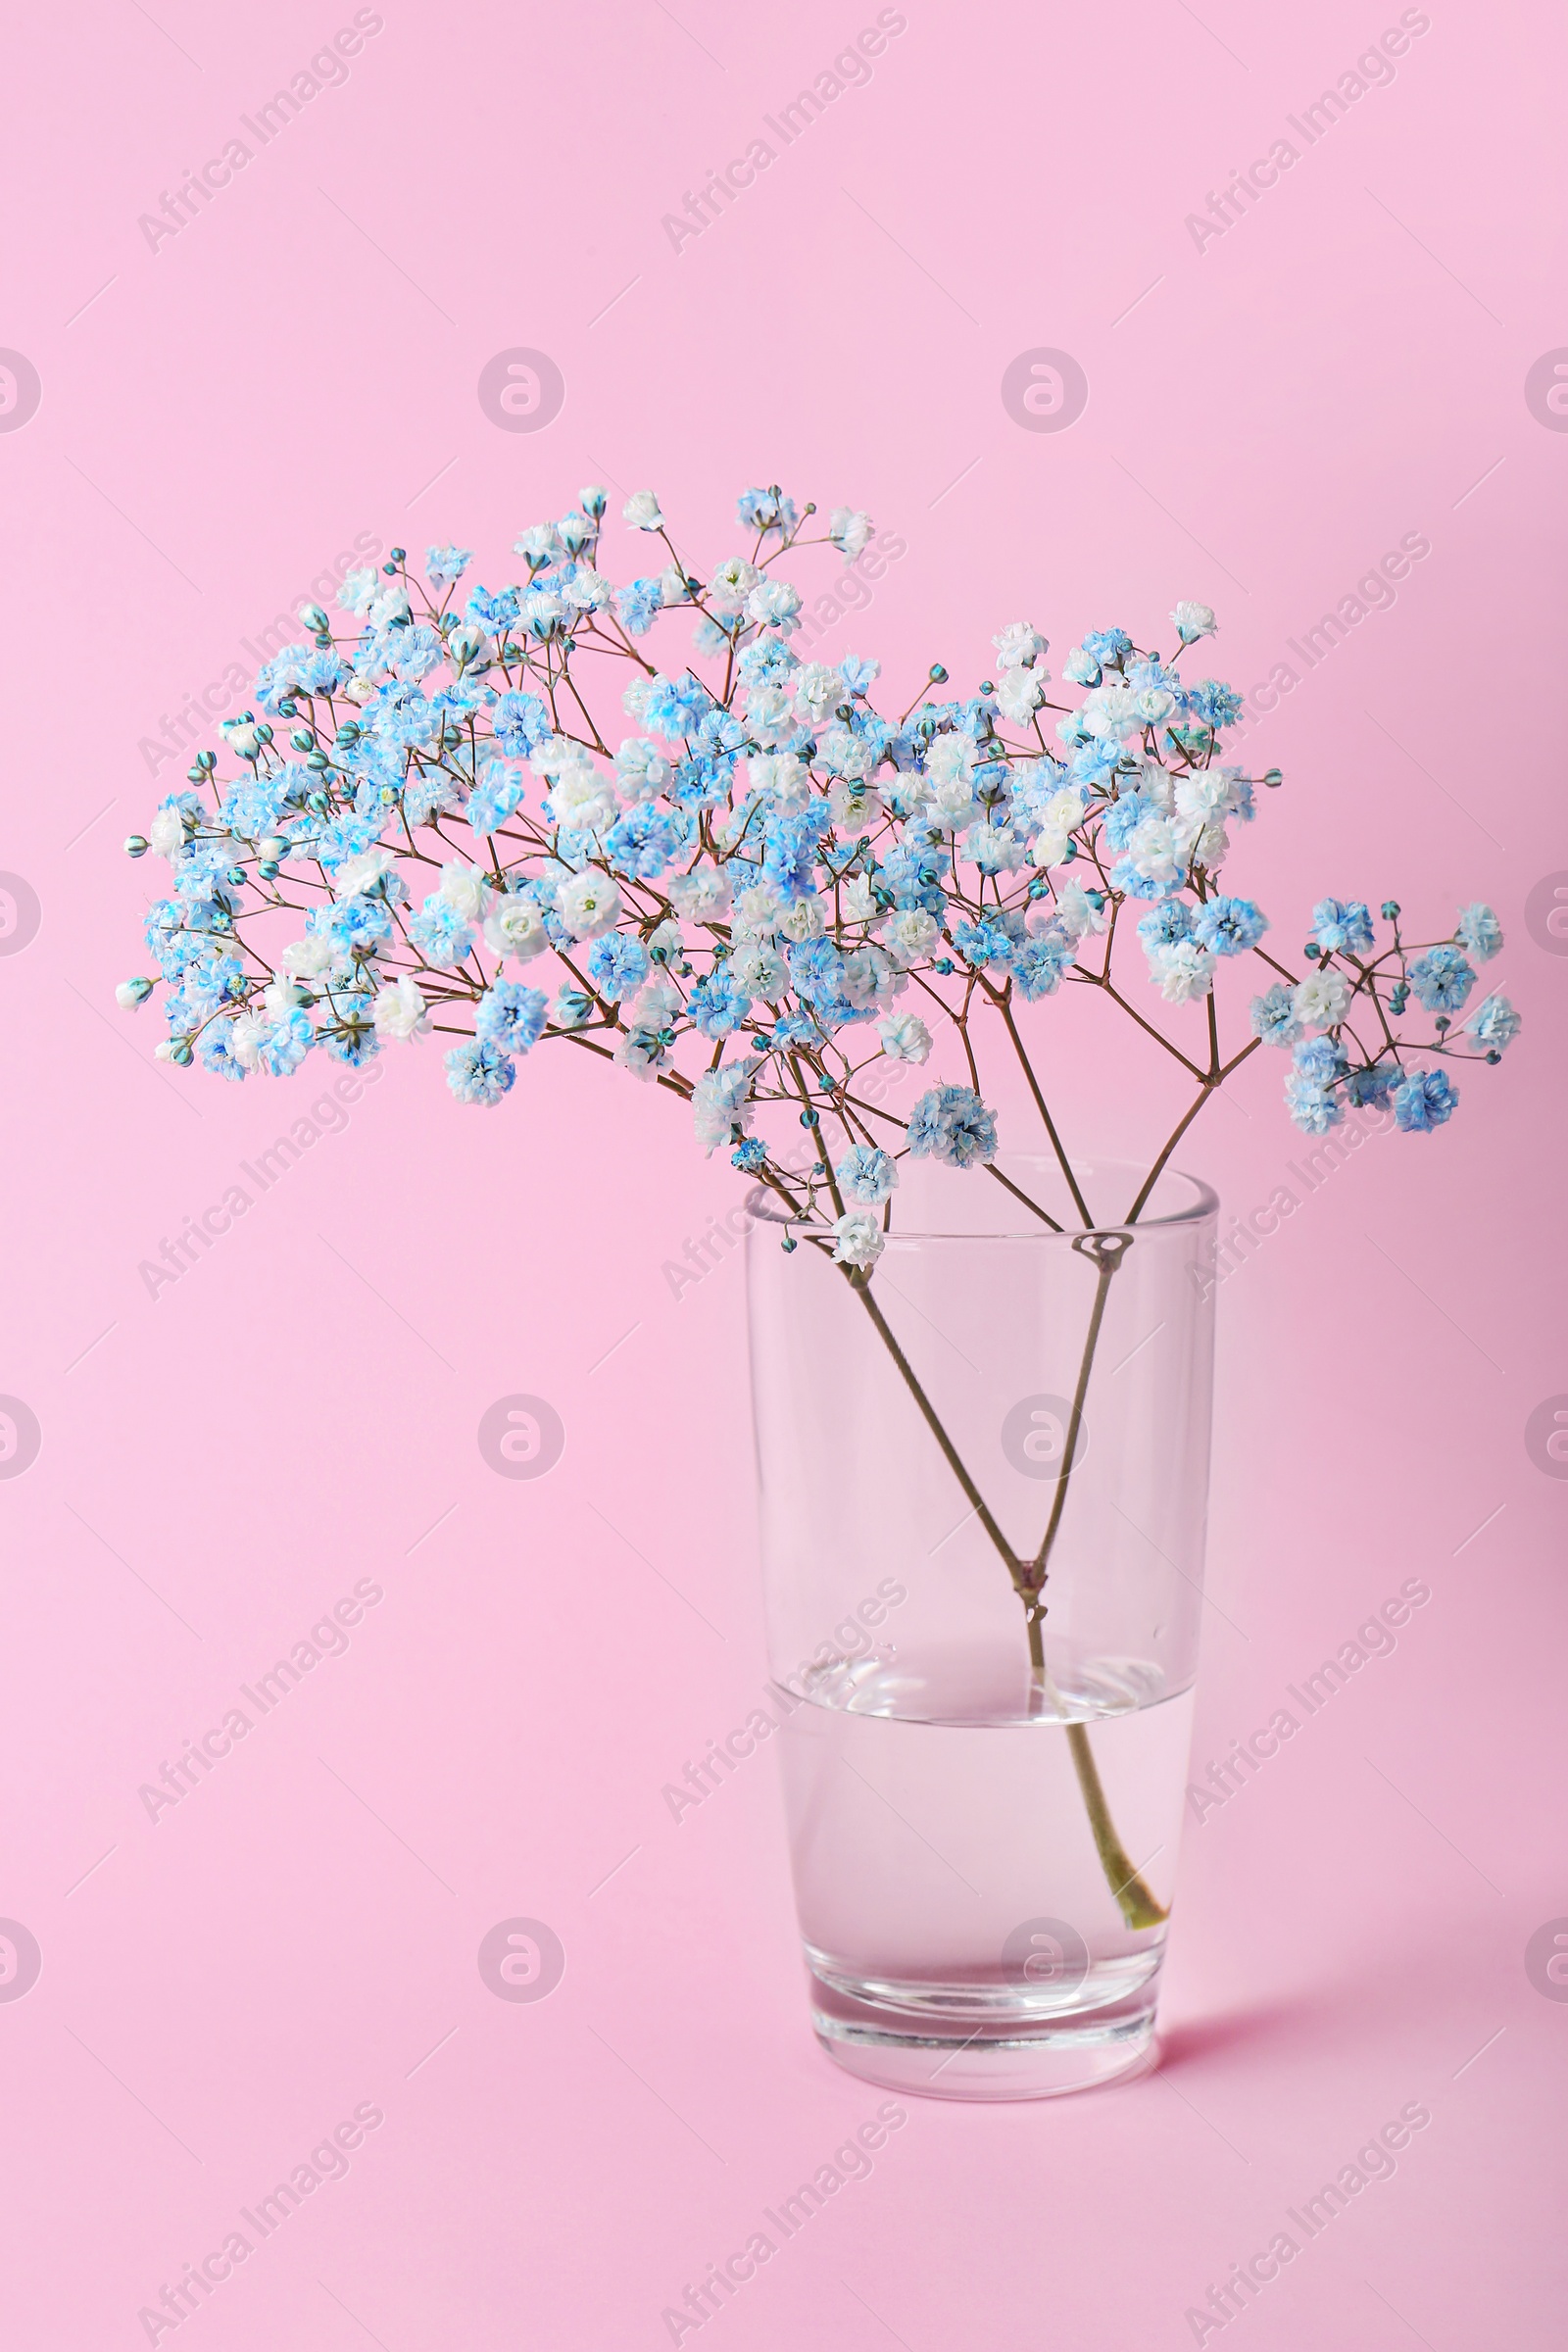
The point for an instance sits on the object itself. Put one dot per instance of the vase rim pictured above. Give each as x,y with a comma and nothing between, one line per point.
1201,1202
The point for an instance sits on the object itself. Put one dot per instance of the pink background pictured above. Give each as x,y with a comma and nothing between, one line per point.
219,416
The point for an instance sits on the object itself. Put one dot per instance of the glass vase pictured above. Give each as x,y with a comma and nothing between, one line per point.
983,1477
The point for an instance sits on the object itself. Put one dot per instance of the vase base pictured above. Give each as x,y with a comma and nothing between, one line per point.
1017,2058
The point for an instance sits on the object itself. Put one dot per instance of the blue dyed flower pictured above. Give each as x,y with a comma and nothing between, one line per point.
1343,926
1107,646
283,1046
983,942
493,799
521,723
674,707
510,1017
1040,964
618,965
1229,926
866,1174
1425,1101
1371,1089
716,1005
951,1124
1168,924
1442,979
478,1074
1216,705
444,564
1493,1024
1123,818
214,1051
1274,1015
1320,1061
816,970
637,605
1480,931
439,932
356,925
1312,1109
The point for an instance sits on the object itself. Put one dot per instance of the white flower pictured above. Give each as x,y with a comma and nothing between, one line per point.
400,1012
310,956
758,970
757,911
721,1102
1194,621
587,589
357,874
641,1051
246,1041
904,1037
280,997
860,1240
776,604
801,921
1321,1001
1152,850
641,510
589,903
390,607
582,800
361,691
782,773
818,690
954,801
910,935
1016,644
1110,712
167,832
845,755
731,584
1153,703
656,1005
641,767
543,610
1183,969
769,713
359,588
702,897
1202,793
856,806
1062,812
464,887
870,979
849,531
514,927
858,901
537,542
672,586
950,759
1076,912
1018,692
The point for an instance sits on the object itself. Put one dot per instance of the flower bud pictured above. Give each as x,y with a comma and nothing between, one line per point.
135,845
315,619
131,993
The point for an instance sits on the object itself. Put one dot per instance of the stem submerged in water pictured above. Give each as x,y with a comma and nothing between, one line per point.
1137,1904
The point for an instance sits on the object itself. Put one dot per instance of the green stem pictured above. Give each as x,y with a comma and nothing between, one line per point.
1137,1904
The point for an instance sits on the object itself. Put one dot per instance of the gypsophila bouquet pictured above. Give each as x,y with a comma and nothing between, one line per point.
742,881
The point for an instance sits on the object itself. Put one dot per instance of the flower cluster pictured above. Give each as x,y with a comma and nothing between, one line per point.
752,882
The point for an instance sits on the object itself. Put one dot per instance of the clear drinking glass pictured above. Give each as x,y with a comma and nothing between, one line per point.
983,1811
